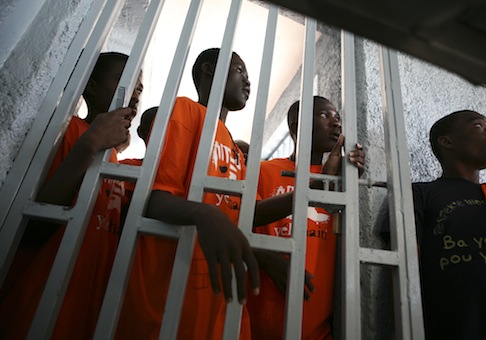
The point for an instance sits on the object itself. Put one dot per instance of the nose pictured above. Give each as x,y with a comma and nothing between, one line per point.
137,92
246,79
336,122
135,97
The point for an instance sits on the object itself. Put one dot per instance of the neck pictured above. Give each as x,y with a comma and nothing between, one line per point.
203,100
316,158
90,117
461,171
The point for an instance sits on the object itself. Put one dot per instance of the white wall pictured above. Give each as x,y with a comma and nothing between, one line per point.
36,46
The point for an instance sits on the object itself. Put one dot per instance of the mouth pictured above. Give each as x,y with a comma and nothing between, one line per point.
246,90
335,135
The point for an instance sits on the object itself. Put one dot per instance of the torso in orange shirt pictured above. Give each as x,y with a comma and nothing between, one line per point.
203,312
79,311
267,309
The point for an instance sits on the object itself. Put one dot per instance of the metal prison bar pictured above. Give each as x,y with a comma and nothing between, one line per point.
22,184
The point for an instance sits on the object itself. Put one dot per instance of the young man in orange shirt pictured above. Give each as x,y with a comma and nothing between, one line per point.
267,310
221,246
83,139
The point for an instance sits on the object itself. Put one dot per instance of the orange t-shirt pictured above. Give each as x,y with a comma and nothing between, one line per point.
267,310
20,294
203,312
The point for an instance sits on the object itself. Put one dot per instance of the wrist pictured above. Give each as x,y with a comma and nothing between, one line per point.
88,144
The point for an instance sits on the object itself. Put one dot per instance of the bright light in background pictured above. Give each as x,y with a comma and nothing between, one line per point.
248,43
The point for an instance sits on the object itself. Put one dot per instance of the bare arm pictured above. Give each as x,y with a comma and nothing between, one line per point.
106,131
222,242
333,164
273,209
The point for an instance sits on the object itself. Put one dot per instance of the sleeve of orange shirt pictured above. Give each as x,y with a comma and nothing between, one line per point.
180,147
76,128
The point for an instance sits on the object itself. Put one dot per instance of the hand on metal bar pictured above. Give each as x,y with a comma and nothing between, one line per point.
333,164
107,130
277,265
224,244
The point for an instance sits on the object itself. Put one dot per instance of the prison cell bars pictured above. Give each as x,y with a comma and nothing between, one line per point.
49,306
409,316
96,27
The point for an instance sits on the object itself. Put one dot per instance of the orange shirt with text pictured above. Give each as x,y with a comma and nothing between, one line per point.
267,309
78,315
203,312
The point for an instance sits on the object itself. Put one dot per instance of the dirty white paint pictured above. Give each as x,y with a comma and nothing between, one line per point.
34,55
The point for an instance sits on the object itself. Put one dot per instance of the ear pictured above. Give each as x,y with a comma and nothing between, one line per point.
445,142
90,89
293,130
208,69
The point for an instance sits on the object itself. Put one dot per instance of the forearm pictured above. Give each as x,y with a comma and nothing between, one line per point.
332,166
273,209
172,209
62,186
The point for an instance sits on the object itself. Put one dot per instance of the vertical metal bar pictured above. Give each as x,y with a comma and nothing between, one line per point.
139,49
350,242
232,321
234,310
409,310
57,283
214,105
295,288
256,141
34,150
253,164
31,142
121,268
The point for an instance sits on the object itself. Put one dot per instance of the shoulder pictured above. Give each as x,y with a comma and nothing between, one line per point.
187,112
131,161
274,167
278,163
77,126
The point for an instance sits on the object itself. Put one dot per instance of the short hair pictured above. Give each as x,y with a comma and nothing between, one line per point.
207,56
442,127
146,121
293,113
105,62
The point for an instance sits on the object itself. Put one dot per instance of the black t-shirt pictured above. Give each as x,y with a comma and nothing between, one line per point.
450,216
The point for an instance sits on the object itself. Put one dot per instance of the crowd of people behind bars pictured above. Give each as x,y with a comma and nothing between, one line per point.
450,222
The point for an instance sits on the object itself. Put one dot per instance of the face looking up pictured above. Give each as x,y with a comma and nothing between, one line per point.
468,139
104,88
237,88
326,126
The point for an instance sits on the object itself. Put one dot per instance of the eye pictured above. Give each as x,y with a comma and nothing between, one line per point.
239,69
479,125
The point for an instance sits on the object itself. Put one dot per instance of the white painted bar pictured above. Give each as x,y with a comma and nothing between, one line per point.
409,316
295,288
351,304
112,302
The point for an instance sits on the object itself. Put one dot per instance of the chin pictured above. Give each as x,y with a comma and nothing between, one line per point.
236,107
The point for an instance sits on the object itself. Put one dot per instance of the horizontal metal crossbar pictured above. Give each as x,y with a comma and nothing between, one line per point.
48,212
379,256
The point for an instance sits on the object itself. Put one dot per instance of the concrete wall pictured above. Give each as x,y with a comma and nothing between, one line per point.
39,33
428,94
